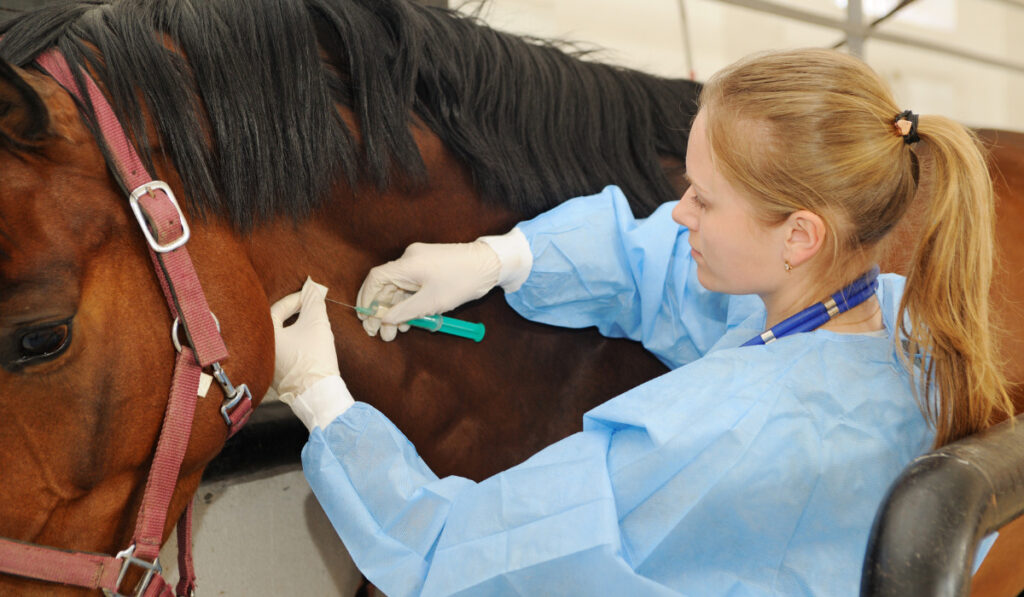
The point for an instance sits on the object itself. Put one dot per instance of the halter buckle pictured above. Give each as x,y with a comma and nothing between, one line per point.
233,395
147,189
152,568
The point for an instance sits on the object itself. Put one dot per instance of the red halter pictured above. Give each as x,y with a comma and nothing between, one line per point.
166,232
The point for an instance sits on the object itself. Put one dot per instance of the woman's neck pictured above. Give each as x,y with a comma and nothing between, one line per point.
865,317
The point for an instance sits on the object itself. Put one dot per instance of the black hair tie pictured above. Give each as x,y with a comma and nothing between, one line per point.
906,126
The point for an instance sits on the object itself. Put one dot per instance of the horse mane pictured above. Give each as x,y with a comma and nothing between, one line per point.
243,101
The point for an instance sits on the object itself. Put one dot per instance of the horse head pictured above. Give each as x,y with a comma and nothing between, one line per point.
86,355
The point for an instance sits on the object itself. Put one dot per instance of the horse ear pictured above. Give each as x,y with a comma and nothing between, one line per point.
24,119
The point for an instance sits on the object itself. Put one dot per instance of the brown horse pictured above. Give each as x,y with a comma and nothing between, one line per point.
315,138
363,138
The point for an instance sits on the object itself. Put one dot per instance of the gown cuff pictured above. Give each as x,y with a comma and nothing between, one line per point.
322,402
515,257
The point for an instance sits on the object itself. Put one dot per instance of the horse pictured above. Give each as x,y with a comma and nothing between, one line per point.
314,138
310,138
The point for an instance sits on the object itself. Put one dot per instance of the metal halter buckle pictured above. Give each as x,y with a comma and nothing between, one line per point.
151,568
133,201
233,395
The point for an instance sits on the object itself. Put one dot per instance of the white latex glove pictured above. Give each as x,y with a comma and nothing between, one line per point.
434,278
305,354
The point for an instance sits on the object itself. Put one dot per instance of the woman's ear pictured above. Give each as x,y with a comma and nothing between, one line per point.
805,233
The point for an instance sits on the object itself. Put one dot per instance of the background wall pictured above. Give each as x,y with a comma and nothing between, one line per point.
648,35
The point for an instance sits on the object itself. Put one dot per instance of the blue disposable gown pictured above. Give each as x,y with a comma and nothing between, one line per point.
748,471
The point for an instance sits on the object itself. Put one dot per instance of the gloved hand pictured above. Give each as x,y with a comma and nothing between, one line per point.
433,278
305,355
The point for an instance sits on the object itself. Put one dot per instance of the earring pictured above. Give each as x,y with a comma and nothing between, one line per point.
788,267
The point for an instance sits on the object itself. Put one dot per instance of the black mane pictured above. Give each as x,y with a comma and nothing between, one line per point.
534,124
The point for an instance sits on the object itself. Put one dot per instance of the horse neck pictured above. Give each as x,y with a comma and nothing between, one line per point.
355,230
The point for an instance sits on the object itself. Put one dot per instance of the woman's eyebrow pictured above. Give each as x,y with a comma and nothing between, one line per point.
690,181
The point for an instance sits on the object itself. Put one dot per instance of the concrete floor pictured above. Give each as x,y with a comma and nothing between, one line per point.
264,536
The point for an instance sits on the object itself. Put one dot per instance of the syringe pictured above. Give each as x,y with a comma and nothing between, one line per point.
432,323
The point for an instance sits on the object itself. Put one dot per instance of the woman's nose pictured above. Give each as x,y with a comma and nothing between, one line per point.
685,212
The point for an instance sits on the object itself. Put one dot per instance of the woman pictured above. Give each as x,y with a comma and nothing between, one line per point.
756,465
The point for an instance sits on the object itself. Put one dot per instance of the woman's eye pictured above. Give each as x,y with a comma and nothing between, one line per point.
698,201
44,342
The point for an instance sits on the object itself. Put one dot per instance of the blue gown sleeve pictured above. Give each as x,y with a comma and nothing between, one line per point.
594,264
411,533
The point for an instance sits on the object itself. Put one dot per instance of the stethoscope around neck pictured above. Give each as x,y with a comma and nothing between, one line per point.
818,314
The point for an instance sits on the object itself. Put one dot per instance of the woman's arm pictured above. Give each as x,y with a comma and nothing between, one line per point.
587,262
594,264
548,526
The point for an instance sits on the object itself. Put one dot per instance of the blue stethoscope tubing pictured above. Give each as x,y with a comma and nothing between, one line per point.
817,314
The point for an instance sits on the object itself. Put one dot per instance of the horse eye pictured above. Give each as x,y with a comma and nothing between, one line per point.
44,343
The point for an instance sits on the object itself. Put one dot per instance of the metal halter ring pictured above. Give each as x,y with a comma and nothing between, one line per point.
174,330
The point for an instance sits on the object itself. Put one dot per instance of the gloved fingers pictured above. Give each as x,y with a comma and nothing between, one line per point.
314,305
367,292
415,306
388,332
374,289
382,282
285,308
309,301
385,298
371,325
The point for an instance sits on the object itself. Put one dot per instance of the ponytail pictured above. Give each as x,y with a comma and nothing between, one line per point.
944,313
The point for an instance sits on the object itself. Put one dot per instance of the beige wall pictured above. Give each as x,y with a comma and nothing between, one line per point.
647,34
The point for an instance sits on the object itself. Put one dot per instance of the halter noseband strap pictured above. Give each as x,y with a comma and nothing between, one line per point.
166,232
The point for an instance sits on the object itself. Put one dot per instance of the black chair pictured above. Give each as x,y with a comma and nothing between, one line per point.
926,532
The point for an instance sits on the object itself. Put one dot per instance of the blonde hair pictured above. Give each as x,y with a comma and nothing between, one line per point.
815,129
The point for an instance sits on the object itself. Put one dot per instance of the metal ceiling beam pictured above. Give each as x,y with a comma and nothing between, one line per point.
865,32
854,39
1013,3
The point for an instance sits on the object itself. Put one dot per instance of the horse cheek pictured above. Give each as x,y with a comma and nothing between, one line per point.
237,299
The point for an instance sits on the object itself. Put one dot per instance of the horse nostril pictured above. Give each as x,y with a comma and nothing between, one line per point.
290,321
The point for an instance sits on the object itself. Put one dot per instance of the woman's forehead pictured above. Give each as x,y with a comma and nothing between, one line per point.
698,154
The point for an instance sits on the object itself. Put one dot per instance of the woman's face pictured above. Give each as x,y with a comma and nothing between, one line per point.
735,253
